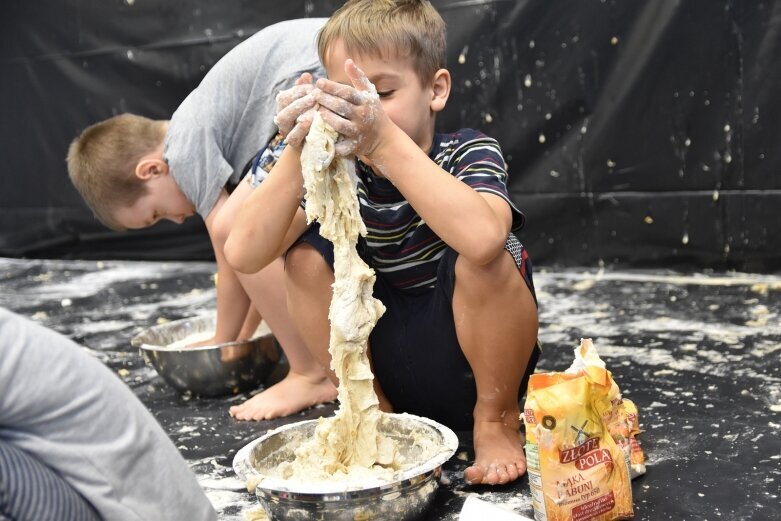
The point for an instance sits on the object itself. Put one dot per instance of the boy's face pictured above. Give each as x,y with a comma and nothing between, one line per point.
162,200
406,101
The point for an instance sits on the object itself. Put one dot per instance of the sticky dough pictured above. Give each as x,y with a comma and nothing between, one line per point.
348,442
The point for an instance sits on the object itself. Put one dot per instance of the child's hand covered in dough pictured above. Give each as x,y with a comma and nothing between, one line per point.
355,112
295,110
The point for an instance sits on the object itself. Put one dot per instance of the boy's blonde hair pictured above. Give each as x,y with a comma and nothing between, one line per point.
103,159
403,28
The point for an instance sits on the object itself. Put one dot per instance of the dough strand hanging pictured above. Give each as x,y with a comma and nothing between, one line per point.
348,442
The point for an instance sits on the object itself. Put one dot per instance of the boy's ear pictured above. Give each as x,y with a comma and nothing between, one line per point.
150,167
440,89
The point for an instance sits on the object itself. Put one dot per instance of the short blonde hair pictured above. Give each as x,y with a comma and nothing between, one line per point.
102,162
404,28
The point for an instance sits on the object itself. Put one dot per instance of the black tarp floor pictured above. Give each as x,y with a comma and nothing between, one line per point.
700,354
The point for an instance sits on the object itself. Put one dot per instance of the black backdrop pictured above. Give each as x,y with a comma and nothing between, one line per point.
638,133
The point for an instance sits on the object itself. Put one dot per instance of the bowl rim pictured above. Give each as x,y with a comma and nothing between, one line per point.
243,468
136,341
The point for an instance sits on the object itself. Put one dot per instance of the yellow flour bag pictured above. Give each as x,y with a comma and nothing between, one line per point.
576,469
621,418
636,455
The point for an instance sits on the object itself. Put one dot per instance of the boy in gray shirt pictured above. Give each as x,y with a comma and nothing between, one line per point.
133,171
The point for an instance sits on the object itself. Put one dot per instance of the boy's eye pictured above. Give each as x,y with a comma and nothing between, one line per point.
385,93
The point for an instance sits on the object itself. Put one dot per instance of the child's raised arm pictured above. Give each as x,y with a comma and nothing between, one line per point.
270,219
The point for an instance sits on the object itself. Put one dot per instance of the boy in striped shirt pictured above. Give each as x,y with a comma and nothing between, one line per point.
458,339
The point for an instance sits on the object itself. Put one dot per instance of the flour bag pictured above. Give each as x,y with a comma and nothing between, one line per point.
579,439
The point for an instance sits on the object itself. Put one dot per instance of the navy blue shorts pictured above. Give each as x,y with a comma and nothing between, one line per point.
415,352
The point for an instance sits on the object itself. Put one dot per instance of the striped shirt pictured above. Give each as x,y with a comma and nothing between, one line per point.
399,245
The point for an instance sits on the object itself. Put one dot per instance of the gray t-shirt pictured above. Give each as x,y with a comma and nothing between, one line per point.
229,117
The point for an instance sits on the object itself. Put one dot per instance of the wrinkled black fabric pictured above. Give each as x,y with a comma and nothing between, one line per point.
637,133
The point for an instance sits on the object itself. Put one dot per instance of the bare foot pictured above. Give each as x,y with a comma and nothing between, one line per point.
292,394
499,456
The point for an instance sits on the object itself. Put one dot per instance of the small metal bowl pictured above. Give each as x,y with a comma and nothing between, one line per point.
404,498
216,370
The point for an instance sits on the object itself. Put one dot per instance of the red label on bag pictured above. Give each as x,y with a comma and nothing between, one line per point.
594,507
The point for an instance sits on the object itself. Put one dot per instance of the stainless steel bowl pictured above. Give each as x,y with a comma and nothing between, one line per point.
216,370
406,497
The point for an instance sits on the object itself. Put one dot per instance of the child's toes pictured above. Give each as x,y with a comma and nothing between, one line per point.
520,464
474,475
512,472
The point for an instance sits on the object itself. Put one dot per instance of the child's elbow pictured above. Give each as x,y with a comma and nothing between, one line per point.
487,249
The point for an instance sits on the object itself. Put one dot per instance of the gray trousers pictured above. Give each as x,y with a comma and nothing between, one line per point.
65,409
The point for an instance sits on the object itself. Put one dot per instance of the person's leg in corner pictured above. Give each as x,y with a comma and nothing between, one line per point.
307,383
67,410
31,490
496,323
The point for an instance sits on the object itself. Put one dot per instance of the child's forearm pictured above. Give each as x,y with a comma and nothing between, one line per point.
251,323
232,303
473,224
263,228
232,300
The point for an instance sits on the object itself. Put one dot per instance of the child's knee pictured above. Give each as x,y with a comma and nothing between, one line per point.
305,266
220,230
500,273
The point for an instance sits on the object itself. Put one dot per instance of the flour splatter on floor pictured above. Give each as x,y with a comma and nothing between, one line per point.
698,353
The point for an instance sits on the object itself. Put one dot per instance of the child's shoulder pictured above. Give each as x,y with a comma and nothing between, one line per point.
462,137
465,134
453,144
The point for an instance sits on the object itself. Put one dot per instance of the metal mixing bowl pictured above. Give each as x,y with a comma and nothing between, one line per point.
216,370
406,497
